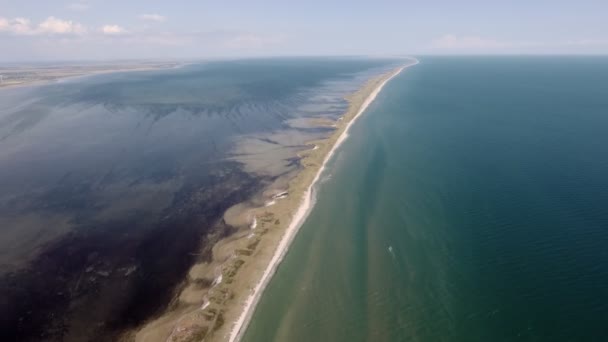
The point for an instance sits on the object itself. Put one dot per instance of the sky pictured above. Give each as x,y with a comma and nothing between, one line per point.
47,30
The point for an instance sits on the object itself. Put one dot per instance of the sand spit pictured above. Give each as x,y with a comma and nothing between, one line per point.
304,208
208,310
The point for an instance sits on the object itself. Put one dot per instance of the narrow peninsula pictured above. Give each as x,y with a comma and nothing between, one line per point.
244,263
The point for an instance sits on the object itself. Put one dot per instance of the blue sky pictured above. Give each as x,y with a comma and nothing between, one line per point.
95,29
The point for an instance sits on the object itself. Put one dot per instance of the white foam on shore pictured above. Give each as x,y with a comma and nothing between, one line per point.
269,203
326,178
254,223
239,327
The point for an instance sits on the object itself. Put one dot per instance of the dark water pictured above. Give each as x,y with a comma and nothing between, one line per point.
469,204
111,185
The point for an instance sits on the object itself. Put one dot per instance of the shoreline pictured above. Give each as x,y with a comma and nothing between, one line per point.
306,205
263,229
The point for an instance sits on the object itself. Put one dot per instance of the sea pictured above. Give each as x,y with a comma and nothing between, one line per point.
112,186
469,203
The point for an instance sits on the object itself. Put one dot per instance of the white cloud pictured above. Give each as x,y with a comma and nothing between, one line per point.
112,29
51,25
20,26
3,24
78,6
153,17
65,30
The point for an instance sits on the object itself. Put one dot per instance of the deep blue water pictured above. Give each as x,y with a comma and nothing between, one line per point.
470,203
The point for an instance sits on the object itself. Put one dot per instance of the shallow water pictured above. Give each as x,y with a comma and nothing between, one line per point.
468,204
110,183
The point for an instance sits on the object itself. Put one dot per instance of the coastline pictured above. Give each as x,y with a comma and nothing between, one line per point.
306,205
219,295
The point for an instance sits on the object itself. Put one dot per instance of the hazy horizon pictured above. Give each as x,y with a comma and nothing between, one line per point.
111,30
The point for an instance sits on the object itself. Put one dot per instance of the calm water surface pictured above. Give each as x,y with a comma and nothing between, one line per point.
470,203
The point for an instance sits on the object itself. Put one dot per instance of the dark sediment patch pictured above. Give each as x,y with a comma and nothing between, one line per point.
99,281
270,141
316,130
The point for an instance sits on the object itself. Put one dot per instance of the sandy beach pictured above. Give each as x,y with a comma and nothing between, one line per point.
244,263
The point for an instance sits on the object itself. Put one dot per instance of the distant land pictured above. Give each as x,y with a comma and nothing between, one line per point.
25,74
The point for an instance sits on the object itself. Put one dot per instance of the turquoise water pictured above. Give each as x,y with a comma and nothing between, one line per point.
470,203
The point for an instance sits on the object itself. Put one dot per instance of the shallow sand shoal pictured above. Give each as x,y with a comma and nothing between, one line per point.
212,310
